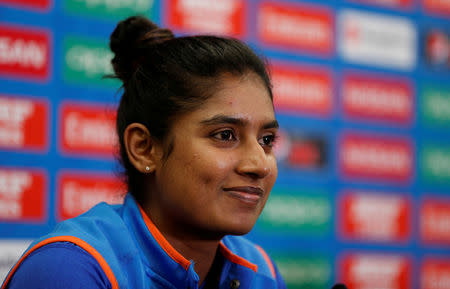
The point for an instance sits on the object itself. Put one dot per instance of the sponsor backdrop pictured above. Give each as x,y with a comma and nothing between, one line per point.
362,92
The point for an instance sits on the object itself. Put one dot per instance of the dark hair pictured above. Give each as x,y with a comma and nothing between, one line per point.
164,76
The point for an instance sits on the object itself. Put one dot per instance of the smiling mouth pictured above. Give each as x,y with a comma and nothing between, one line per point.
249,195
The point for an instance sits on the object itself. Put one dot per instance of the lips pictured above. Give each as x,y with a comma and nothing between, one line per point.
246,194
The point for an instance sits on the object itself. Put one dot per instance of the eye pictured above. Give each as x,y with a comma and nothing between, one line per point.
225,135
267,140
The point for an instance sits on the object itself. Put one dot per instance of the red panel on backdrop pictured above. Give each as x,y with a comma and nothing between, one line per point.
376,98
23,123
24,52
374,216
223,17
435,221
441,7
34,4
369,157
23,195
302,89
78,192
388,3
87,129
306,28
368,271
435,273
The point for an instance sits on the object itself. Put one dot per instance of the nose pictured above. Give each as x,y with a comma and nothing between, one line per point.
254,161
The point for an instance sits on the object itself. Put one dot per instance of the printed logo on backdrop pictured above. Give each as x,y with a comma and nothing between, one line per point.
28,4
302,89
435,105
382,158
302,151
10,252
87,129
435,221
25,52
87,61
372,216
434,273
23,195
370,270
24,123
307,270
439,7
304,28
436,45
377,39
373,98
80,191
109,9
297,212
222,17
435,163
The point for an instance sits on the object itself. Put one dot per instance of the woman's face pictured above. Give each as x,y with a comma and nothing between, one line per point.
221,170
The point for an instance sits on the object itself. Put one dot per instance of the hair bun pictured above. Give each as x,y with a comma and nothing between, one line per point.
129,36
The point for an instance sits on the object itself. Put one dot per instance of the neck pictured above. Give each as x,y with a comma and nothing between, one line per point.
195,246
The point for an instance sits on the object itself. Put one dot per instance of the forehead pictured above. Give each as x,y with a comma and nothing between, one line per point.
241,96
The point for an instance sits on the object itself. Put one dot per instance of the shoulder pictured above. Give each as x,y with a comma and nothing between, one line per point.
59,265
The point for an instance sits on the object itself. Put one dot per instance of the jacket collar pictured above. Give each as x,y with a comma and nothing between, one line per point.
163,259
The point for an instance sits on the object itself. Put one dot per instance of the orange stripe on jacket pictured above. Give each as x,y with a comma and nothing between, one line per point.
171,251
268,261
88,248
237,259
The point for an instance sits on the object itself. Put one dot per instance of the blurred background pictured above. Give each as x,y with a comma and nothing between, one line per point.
362,93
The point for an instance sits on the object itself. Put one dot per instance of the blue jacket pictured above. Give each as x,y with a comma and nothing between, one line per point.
132,253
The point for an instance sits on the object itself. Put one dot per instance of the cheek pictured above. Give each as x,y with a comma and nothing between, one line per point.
275,169
214,168
273,173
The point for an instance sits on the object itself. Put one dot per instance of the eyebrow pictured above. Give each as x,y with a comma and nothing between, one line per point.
223,119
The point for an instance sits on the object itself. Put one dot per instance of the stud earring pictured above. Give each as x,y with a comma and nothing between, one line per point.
147,168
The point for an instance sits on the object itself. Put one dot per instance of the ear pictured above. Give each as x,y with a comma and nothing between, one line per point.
143,152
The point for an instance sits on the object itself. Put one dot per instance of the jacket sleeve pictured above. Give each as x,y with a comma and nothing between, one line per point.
59,265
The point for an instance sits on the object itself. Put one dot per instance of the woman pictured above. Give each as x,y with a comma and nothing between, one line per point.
196,127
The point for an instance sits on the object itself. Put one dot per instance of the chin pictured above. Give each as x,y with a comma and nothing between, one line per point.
239,232
241,228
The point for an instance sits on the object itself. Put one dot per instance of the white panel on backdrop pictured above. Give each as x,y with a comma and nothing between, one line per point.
377,40
10,252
